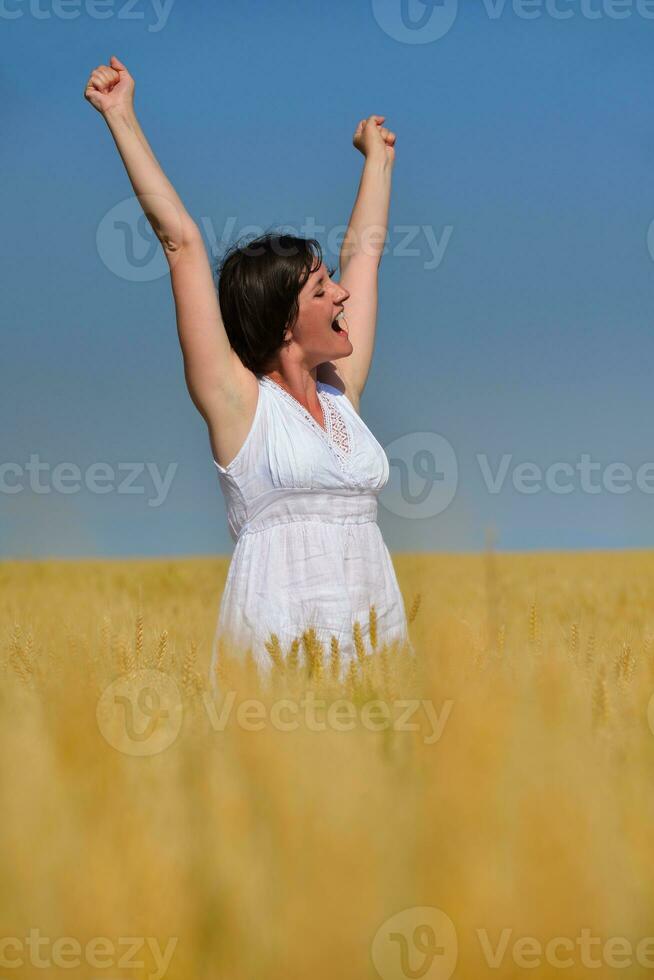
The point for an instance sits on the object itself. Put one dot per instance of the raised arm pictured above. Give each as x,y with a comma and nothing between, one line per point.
361,254
214,373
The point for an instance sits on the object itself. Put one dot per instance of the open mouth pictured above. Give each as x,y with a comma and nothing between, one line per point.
336,324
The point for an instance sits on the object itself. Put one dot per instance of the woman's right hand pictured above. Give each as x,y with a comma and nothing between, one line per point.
110,86
371,138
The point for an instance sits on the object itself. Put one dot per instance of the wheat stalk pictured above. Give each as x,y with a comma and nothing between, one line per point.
624,664
385,668
501,640
138,639
415,606
274,648
351,680
188,668
162,646
105,638
534,626
358,642
20,658
125,658
313,653
590,651
293,657
600,701
372,625
335,659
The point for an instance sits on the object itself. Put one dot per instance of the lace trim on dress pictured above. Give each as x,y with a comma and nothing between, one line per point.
335,430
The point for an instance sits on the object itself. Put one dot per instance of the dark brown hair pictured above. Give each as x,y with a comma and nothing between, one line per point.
258,290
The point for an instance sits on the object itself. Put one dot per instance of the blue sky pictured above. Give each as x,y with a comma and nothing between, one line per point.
514,332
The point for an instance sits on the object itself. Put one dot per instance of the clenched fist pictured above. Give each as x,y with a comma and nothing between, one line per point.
371,138
110,86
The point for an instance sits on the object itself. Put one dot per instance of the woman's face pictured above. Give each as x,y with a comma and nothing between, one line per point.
320,301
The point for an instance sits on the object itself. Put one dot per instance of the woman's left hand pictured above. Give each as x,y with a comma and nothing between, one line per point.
373,139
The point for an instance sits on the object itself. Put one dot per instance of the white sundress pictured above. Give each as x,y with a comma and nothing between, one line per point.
302,510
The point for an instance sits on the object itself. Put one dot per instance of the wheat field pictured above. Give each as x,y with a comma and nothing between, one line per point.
483,809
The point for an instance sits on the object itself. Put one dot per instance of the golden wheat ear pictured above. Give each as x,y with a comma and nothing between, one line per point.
335,658
274,648
188,668
601,707
358,642
372,626
138,638
293,656
19,656
125,658
351,680
415,606
162,646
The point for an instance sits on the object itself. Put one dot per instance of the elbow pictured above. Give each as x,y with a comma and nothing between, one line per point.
173,244
170,245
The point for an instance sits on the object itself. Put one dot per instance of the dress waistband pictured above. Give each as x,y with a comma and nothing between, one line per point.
335,506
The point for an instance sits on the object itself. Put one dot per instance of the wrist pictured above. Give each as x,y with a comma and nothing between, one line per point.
120,113
379,160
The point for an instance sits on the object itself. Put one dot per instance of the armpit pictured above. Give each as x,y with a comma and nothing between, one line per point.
329,373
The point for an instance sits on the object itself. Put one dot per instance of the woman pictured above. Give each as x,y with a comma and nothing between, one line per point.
276,365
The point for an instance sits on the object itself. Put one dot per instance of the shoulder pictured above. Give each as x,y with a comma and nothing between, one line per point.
231,417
